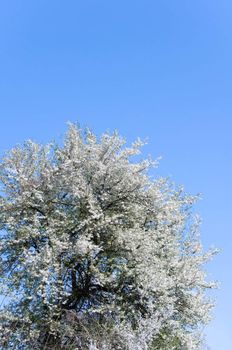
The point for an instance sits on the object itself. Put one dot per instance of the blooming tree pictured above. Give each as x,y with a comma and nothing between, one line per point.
96,254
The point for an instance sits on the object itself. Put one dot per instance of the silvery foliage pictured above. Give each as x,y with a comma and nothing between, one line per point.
96,254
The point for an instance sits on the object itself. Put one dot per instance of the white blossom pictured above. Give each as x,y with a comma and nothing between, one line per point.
94,253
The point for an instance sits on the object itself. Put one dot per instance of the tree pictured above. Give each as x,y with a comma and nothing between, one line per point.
95,253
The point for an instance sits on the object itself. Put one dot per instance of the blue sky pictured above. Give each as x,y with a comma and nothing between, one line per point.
157,69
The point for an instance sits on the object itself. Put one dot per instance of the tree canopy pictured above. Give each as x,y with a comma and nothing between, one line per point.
95,253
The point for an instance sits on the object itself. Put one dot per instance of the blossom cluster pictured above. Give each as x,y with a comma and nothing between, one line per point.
95,253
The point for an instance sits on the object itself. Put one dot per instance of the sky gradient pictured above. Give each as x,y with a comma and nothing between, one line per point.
156,69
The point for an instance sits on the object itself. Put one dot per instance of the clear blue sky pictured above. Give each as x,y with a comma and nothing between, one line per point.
157,69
